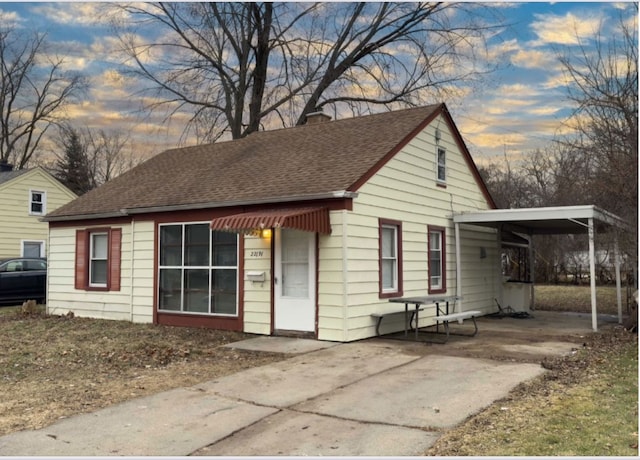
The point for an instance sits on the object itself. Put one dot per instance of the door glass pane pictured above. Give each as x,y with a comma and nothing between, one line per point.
170,289
295,264
196,290
223,291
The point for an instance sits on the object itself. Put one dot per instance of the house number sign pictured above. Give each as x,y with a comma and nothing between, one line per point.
256,254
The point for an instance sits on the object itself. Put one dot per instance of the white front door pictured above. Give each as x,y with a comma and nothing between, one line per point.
295,280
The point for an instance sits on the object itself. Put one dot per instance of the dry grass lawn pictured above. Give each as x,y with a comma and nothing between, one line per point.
56,366
578,298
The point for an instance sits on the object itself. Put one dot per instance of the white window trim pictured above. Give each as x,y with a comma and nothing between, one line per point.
91,259
444,165
44,202
42,244
394,287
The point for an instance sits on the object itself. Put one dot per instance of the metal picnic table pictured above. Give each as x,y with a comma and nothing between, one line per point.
423,300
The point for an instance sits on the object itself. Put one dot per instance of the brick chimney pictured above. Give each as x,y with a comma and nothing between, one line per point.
317,117
5,167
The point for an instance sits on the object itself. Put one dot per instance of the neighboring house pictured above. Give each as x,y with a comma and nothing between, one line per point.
308,229
26,196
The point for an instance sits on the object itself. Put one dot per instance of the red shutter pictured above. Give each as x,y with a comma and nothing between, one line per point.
115,242
81,268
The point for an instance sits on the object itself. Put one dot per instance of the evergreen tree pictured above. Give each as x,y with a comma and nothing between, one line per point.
72,168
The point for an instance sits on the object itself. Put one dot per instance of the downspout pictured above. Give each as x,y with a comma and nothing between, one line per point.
532,273
458,304
131,259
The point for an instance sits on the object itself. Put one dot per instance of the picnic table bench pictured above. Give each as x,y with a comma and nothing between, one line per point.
470,314
442,315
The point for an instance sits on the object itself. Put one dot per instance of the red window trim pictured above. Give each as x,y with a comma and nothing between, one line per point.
114,237
443,231
398,293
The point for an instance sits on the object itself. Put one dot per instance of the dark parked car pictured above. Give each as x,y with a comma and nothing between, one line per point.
23,279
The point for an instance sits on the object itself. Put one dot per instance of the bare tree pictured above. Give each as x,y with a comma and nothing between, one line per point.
605,91
33,91
109,154
238,66
87,158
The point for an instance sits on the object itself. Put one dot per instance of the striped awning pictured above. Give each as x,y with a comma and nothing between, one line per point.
314,219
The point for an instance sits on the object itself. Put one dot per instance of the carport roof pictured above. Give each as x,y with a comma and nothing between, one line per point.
543,221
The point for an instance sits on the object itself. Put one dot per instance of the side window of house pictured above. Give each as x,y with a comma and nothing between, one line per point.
390,250
33,249
98,257
198,270
441,163
437,260
37,203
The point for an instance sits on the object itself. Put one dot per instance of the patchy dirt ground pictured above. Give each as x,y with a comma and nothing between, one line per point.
56,366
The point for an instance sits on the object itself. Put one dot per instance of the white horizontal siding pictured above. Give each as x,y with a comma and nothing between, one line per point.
405,189
334,282
127,304
257,296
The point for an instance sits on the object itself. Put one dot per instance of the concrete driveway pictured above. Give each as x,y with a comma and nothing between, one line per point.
376,397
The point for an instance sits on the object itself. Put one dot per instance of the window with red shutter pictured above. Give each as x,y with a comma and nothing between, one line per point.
87,256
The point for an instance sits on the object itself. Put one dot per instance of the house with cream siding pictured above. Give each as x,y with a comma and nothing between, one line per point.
26,196
306,230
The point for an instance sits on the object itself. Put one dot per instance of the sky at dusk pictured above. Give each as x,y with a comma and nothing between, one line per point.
521,107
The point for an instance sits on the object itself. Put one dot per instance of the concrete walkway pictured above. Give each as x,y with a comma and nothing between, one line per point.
371,398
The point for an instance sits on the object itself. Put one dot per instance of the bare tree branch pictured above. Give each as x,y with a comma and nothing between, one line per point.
237,67
33,91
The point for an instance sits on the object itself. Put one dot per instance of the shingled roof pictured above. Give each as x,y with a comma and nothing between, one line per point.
6,176
311,161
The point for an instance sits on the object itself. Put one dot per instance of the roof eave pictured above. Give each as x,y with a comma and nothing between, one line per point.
69,218
338,194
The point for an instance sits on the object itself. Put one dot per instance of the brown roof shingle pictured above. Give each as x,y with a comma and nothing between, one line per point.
307,160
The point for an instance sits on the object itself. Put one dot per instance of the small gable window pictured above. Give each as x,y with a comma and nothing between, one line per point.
36,203
442,165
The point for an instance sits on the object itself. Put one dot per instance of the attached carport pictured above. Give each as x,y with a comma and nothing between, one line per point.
560,220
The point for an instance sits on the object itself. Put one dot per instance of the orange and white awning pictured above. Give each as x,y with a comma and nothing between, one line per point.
310,219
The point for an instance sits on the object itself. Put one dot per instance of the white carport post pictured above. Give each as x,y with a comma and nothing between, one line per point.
532,273
458,305
592,276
